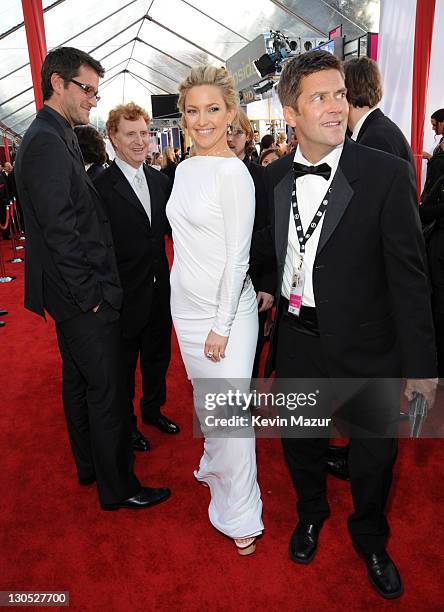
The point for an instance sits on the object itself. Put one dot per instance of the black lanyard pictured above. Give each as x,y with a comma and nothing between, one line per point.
303,239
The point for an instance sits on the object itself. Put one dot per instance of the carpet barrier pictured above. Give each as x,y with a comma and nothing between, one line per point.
53,535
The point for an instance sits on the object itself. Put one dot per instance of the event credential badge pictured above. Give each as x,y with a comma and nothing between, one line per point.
296,290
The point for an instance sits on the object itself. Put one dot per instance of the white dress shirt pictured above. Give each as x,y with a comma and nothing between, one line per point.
137,179
360,123
310,191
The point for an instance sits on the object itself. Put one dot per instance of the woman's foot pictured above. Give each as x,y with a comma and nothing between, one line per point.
245,546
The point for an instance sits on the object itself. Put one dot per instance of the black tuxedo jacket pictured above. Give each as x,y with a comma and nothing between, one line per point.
70,264
139,244
263,276
435,170
380,132
369,276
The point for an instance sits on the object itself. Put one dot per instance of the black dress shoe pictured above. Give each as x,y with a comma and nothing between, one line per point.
304,542
144,499
87,481
337,461
3,312
139,442
338,468
163,423
383,575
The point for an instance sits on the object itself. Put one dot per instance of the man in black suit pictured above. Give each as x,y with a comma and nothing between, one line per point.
135,197
435,161
370,127
365,302
368,124
71,273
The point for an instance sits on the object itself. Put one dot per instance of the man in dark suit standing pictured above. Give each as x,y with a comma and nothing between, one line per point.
346,216
135,197
370,127
71,273
435,161
368,124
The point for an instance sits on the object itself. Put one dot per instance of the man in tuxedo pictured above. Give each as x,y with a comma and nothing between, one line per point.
71,273
135,196
370,127
365,301
435,161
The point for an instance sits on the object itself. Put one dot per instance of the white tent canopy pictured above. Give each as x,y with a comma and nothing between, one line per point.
148,46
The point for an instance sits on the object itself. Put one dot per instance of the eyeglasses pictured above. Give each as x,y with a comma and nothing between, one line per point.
88,90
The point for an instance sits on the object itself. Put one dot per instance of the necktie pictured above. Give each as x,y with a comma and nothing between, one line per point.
142,191
323,170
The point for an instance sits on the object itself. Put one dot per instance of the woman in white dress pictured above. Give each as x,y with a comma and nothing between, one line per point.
213,303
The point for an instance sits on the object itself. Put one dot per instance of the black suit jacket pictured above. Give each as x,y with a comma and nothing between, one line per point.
139,244
70,263
379,132
369,275
263,276
435,170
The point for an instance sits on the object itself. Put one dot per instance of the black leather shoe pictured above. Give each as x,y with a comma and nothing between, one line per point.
144,499
304,542
337,461
139,442
163,423
3,312
87,481
338,468
383,575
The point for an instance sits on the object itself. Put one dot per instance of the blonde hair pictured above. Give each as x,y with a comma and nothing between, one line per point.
209,75
168,154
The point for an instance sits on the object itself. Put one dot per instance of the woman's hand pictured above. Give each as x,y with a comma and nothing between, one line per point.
215,346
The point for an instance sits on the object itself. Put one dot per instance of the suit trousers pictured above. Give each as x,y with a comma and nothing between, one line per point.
96,402
262,317
371,459
152,344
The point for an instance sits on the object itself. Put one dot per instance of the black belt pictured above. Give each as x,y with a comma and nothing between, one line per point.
307,319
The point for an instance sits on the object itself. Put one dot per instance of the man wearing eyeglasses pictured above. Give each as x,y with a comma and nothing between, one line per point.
71,273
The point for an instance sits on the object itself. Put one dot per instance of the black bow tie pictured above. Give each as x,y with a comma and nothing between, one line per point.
303,170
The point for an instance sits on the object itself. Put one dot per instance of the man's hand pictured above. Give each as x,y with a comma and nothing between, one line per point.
264,301
425,386
96,308
426,155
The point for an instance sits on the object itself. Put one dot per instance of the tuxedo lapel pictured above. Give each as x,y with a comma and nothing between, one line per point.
122,186
154,194
340,193
282,199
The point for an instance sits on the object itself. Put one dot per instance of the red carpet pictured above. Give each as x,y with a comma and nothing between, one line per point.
54,536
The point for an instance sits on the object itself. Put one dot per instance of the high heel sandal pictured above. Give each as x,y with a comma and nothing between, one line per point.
245,546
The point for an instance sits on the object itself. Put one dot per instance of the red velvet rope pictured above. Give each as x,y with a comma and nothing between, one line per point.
3,227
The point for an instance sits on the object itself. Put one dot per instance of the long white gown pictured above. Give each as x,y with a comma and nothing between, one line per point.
211,212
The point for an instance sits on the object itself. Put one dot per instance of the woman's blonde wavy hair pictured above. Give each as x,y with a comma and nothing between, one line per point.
209,75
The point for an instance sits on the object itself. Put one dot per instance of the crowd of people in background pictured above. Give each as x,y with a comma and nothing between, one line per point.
96,262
